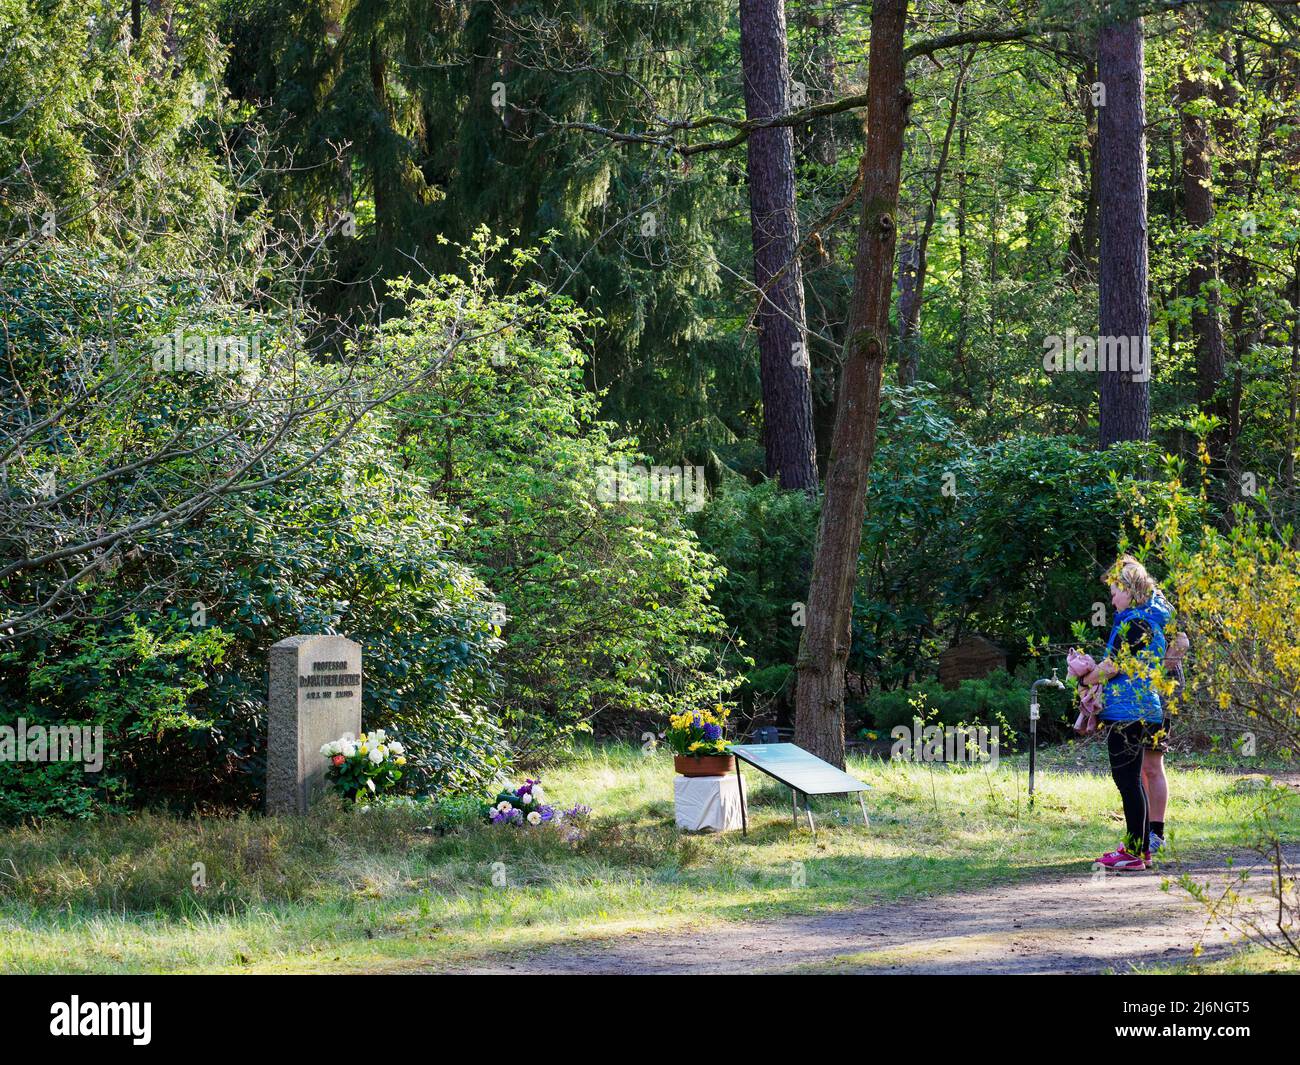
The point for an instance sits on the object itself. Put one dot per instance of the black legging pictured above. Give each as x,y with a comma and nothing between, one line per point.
1125,743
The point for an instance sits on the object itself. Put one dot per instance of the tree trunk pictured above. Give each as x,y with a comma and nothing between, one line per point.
784,366
963,245
823,26
381,176
1122,200
1293,397
910,265
824,651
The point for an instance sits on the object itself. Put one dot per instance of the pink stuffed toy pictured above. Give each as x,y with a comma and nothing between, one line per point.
1080,666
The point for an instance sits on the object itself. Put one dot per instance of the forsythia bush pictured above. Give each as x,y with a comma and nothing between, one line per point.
1239,601
1237,596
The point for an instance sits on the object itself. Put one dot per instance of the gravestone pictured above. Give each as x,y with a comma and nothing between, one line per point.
972,659
315,697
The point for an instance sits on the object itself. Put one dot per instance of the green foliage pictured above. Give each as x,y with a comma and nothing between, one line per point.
457,530
1237,596
358,547
998,699
106,138
605,603
1002,539
428,120
165,640
763,539
134,681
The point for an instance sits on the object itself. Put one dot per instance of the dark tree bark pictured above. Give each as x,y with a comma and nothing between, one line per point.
1122,202
788,442
380,177
823,653
1293,396
1202,279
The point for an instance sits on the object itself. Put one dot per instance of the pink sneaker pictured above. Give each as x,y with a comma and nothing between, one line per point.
1120,861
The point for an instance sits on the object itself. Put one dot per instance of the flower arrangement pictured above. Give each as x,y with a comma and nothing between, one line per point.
526,806
698,733
363,767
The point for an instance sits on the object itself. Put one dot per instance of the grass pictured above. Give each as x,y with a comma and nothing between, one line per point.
1251,961
368,889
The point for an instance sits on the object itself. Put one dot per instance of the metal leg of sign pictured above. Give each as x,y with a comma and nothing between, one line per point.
863,803
740,786
794,807
807,806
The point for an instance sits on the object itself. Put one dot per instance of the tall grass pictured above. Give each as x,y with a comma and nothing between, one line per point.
349,888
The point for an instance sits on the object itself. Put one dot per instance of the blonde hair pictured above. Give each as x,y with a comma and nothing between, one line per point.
1128,573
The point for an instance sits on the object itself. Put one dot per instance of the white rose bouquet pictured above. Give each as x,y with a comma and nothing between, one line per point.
363,767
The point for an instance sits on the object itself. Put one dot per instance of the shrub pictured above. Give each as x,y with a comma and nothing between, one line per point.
763,539
604,604
1238,596
163,640
1000,539
998,699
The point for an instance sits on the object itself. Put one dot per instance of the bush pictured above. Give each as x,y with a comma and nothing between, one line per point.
604,605
763,538
1000,539
1238,597
163,641
998,699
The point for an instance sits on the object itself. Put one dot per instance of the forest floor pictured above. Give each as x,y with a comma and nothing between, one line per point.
955,873
1110,923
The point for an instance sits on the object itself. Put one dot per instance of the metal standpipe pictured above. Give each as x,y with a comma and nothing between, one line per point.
1055,682
1033,743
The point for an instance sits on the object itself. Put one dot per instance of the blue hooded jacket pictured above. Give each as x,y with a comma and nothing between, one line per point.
1142,630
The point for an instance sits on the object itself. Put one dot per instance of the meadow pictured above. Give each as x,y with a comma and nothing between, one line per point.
417,885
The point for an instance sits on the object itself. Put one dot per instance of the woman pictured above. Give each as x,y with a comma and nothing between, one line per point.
1153,759
1131,707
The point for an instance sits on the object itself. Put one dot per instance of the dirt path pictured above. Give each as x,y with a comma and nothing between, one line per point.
1070,922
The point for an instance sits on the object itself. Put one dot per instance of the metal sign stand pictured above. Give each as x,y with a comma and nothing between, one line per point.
1055,682
794,798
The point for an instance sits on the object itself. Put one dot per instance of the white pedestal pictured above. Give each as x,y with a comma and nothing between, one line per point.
708,804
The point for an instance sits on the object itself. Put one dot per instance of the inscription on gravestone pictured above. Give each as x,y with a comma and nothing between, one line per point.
315,697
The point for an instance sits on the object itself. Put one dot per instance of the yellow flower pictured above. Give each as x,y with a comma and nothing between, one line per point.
695,746
401,760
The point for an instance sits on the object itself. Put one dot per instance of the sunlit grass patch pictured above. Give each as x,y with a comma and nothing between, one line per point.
348,889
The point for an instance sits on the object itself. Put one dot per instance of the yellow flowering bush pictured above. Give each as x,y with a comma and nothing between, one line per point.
1237,596
1239,601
